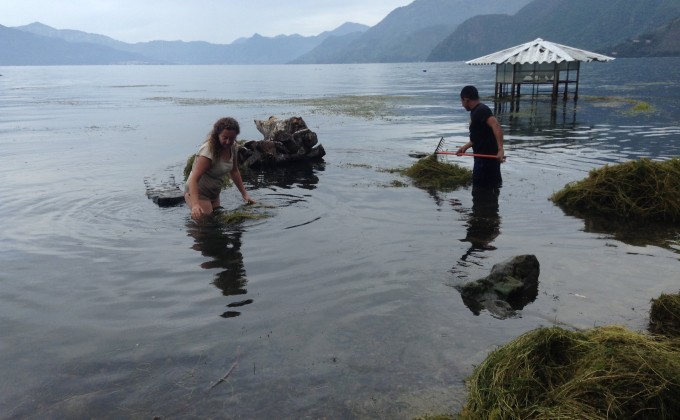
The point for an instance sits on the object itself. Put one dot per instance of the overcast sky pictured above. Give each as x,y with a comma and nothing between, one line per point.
216,21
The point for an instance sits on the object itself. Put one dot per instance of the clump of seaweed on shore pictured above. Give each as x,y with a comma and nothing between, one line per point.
645,190
664,316
606,372
429,172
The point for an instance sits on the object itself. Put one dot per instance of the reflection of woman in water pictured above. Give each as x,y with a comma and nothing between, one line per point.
224,250
216,158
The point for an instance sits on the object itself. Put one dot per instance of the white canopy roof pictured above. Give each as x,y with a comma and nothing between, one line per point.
539,51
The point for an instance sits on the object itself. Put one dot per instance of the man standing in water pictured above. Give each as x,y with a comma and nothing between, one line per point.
486,137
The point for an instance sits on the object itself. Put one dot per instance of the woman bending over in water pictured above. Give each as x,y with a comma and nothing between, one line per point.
215,159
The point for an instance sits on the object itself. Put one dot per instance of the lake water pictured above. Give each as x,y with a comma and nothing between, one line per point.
342,303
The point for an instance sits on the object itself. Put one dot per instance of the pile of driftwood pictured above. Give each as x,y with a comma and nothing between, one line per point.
285,141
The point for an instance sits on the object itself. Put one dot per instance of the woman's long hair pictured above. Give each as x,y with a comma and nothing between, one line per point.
214,145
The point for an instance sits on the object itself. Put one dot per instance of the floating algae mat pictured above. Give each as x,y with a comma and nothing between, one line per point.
602,373
242,213
634,106
429,172
643,190
361,106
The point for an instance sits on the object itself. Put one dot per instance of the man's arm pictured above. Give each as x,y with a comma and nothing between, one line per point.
498,134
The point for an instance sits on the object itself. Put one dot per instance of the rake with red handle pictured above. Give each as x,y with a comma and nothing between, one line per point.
437,151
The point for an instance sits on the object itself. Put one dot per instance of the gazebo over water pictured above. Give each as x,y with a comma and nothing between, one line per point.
539,64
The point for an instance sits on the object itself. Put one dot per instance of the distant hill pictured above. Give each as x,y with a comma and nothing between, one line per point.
593,25
407,33
71,35
327,51
254,50
20,48
663,41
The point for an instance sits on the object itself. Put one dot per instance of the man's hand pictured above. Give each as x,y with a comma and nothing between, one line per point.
501,155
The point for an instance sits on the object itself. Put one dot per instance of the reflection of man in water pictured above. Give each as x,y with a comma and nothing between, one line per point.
486,137
484,223
224,247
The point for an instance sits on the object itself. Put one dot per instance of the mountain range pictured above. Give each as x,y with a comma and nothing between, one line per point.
407,33
596,25
425,30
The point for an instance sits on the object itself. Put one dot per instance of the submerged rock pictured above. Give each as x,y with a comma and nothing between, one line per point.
511,285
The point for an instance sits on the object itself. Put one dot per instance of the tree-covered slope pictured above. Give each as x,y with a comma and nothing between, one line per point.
590,24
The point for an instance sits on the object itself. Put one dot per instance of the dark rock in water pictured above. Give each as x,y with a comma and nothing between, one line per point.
511,285
418,155
167,194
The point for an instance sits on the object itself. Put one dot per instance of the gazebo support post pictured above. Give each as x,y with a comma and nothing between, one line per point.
556,82
578,74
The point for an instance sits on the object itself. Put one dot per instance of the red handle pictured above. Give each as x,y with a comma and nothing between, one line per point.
467,154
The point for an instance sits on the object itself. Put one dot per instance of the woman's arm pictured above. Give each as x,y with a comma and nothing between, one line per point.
236,177
201,165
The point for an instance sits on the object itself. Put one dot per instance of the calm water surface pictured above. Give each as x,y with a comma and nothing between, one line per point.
339,305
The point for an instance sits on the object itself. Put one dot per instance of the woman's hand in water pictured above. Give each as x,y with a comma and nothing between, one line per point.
196,212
